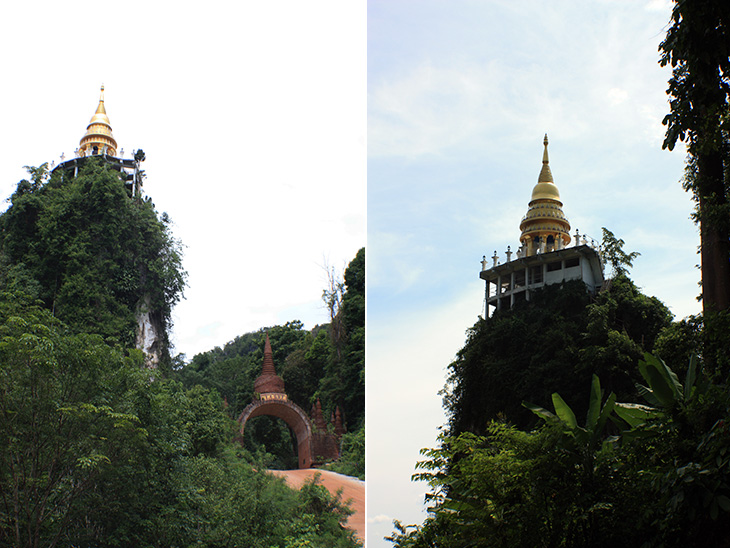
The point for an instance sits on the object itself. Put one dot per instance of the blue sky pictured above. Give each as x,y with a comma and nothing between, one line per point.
460,95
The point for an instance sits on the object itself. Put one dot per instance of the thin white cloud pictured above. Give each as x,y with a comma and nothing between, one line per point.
617,96
442,103
393,266
380,518
662,6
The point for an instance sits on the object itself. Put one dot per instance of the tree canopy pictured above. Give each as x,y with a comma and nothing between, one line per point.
91,253
94,454
554,342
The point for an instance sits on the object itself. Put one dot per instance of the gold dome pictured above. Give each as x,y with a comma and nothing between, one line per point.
98,138
545,191
544,227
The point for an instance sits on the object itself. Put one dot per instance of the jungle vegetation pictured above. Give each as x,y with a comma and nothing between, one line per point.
96,449
91,253
326,363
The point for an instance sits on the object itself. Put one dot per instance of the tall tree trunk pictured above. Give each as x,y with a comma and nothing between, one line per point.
714,234
715,254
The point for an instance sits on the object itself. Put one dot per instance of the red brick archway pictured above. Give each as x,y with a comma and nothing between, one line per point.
293,415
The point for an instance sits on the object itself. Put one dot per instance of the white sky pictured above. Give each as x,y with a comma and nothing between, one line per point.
253,119
460,95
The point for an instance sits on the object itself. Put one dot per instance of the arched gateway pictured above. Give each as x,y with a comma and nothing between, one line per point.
277,405
314,444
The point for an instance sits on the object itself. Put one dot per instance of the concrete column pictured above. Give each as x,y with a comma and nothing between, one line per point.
512,288
499,292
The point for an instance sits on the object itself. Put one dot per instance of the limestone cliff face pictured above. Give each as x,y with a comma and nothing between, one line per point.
149,336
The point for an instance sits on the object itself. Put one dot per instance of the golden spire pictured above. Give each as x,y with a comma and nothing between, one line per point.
545,175
100,116
544,227
98,138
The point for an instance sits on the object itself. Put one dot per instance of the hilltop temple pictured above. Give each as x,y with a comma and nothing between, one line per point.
99,141
545,255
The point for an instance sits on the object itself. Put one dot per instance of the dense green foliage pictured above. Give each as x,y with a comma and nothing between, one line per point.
94,255
649,466
519,489
552,343
94,454
95,448
352,459
664,480
326,363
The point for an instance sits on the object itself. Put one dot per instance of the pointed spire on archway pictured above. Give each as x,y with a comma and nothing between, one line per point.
268,382
268,368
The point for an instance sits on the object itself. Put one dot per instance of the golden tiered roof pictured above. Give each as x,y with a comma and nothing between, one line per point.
98,138
544,227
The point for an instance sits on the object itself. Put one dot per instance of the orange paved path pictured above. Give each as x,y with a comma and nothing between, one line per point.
352,488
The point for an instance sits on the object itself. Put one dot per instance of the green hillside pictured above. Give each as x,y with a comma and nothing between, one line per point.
94,255
97,448
326,363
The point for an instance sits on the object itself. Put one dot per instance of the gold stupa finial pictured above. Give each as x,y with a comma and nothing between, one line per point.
544,228
98,138
546,175
100,114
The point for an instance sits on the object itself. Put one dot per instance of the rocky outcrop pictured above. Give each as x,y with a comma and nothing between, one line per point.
149,334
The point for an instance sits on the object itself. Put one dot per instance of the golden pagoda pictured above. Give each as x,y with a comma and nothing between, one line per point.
99,141
543,257
544,228
98,138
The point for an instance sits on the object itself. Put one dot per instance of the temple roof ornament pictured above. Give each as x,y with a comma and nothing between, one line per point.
544,227
98,138
546,175
268,382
